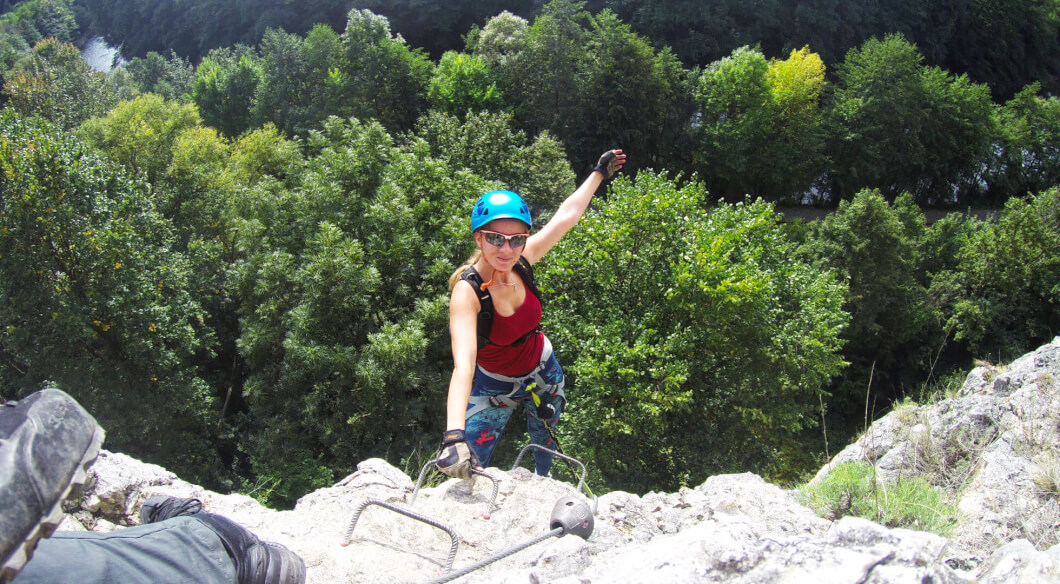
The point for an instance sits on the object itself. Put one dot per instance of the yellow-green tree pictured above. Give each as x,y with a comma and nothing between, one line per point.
760,127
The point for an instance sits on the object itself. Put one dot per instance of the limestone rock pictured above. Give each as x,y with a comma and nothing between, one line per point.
994,447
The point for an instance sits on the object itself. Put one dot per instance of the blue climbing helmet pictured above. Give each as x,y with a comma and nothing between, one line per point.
499,205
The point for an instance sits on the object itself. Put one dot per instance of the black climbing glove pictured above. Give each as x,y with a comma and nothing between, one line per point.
456,458
610,163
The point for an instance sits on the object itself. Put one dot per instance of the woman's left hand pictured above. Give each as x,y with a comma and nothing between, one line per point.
610,163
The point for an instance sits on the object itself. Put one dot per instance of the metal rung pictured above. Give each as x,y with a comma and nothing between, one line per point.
452,535
423,472
581,482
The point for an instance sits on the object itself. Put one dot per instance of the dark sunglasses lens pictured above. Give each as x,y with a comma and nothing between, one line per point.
498,239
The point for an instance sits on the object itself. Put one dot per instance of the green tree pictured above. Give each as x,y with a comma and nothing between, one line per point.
36,20
1028,157
628,96
379,75
703,32
503,37
462,83
760,131
595,85
438,27
55,82
94,299
488,145
543,76
224,87
867,242
900,126
140,133
696,342
1007,44
169,77
192,28
895,330
797,85
1004,298
297,90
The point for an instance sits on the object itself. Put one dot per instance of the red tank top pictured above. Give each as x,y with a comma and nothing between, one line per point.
501,358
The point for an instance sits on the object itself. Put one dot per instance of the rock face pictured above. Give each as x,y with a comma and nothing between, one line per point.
994,448
990,447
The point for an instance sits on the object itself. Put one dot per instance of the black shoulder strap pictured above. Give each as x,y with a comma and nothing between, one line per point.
485,301
526,270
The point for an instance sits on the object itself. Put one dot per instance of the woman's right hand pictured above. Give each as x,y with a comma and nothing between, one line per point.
456,458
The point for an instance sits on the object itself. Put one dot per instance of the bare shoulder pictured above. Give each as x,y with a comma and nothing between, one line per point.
463,298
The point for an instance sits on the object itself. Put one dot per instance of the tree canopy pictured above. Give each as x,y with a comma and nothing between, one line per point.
235,249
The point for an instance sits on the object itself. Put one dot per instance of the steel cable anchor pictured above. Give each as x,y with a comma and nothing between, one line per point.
570,515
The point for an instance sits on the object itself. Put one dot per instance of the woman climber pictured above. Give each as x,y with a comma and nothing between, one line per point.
500,356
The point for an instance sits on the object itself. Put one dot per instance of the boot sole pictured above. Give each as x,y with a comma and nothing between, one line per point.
51,519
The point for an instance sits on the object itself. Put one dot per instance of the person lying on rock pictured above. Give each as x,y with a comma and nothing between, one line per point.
47,442
501,358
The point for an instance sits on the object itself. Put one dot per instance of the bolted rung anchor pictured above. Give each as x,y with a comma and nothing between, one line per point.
423,473
454,539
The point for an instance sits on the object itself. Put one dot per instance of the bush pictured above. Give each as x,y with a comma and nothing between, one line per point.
854,489
696,342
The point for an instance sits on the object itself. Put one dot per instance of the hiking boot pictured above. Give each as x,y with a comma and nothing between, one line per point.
47,442
272,563
256,561
162,507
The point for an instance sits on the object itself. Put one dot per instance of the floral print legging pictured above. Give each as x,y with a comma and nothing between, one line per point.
484,428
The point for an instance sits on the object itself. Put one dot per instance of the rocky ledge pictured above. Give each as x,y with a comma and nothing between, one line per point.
993,448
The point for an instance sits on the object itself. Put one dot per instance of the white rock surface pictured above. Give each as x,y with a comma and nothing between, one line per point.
988,444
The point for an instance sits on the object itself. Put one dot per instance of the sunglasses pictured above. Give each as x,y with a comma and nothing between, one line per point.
497,239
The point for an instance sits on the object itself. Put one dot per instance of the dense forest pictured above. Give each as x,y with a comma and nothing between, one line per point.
235,248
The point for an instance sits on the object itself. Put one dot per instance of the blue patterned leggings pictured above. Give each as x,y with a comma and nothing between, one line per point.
484,427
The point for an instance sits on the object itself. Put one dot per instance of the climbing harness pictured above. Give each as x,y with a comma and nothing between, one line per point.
532,381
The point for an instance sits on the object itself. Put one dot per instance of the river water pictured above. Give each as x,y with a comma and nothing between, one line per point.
101,56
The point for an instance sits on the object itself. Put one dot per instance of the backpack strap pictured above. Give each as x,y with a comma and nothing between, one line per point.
526,271
485,301
485,313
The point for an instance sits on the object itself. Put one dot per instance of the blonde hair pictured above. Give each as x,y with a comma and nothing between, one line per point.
467,264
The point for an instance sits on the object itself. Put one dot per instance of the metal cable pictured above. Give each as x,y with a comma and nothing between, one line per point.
500,555
454,539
